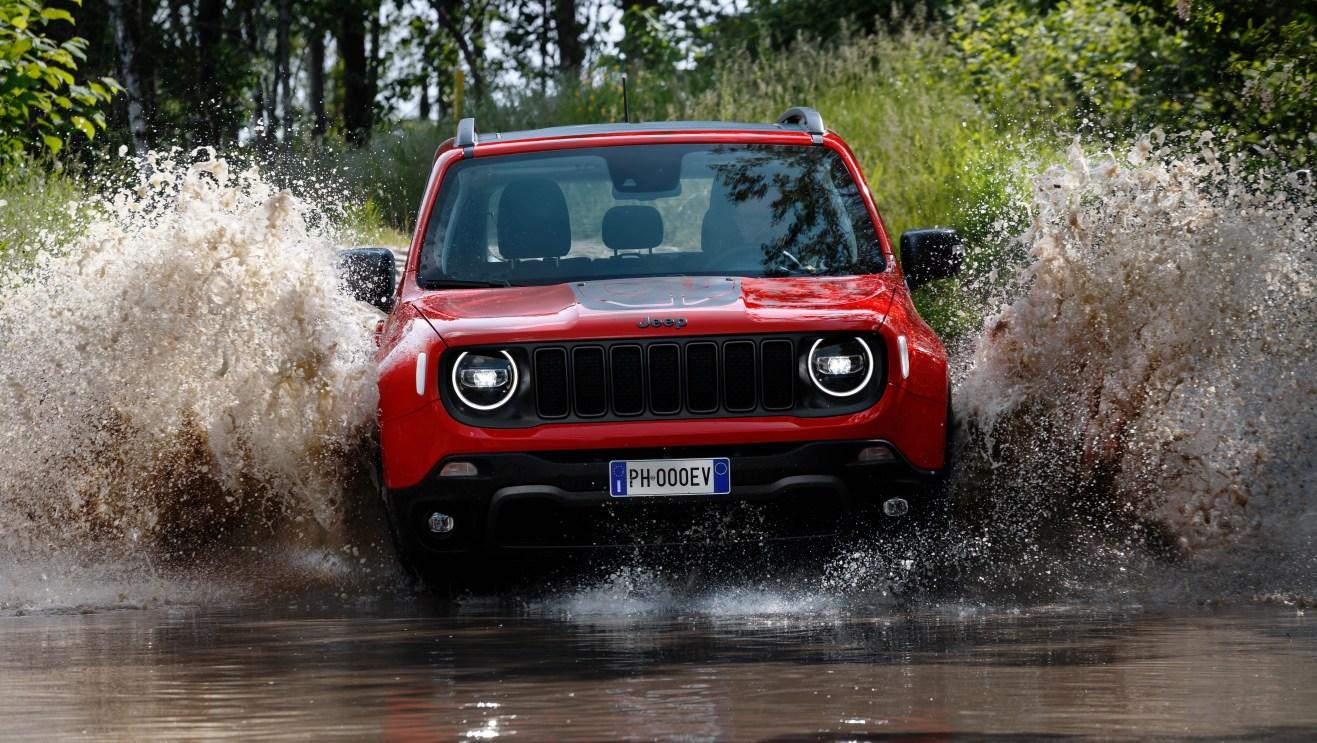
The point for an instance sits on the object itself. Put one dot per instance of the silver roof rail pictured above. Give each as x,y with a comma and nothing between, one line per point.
466,136
807,118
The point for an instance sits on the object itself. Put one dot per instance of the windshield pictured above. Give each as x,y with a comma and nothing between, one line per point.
656,210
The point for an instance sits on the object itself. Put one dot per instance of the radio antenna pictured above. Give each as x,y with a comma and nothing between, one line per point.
626,104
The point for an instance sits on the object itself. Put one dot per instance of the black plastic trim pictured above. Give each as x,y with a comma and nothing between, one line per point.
807,401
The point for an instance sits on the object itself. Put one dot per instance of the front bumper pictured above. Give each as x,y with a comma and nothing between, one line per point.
560,499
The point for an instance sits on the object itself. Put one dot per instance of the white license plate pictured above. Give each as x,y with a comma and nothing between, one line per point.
629,477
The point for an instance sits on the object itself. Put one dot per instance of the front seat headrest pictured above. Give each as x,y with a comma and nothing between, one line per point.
533,221
633,228
718,231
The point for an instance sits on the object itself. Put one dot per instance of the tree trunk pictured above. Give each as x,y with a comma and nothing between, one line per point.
545,14
263,121
209,27
320,123
357,101
373,59
283,73
127,48
425,98
571,52
447,12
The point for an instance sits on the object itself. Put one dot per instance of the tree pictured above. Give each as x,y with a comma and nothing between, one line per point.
316,74
568,30
646,39
128,71
358,101
283,72
209,26
42,103
467,31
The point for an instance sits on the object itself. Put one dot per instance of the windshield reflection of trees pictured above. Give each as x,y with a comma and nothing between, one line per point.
818,220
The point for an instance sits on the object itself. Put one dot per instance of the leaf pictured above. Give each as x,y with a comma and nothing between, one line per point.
84,126
56,14
53,143
18,48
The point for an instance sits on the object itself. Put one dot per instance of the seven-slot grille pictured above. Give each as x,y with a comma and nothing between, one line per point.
665,378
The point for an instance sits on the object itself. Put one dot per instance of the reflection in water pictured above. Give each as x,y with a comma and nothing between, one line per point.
421,672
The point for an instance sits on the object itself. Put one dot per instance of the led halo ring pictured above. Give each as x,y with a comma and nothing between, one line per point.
867,376
512,388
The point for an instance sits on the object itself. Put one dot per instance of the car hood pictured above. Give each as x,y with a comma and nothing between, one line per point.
643,307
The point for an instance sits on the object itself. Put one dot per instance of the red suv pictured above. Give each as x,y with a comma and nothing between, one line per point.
660,333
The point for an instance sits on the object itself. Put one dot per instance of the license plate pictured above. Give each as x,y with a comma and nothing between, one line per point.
630,477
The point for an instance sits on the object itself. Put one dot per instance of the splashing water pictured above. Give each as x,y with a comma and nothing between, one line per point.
179,378
1155,370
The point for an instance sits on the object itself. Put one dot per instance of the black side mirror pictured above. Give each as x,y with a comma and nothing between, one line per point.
929,255
367,275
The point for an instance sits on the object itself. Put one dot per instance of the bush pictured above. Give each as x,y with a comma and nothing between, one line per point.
1124,66
41,102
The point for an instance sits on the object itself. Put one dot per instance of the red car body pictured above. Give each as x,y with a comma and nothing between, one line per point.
418,433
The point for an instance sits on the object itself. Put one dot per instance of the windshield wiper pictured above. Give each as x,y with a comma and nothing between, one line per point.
464,283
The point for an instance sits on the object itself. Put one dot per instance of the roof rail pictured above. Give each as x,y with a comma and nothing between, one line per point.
466,136
807,118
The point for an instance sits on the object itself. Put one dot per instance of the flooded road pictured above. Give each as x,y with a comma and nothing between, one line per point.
421,672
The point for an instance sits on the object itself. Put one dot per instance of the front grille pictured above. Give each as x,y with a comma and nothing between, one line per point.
701,367
778,373
739,378
551,382
628,380
666,378
663,377
591,382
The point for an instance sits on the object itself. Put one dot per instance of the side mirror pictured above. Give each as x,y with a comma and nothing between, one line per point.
929,255
367,275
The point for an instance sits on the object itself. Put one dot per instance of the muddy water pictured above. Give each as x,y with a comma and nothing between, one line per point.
419,672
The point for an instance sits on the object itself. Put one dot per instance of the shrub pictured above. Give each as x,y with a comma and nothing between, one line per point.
41,102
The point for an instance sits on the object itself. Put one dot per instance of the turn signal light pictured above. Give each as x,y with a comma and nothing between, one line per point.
876,454
459,469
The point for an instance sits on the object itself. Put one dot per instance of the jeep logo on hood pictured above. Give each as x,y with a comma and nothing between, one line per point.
662,322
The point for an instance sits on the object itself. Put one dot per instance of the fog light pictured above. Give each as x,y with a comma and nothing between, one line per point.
441,523
896,507
458,469
873,454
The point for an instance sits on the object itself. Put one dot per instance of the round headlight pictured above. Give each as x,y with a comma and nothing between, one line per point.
840,368
484,381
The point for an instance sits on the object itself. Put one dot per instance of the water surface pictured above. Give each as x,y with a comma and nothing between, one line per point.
428,671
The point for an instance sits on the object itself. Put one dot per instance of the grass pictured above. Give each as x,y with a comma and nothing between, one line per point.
37,204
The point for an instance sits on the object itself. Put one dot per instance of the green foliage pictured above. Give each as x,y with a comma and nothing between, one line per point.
1124,66
42,103
36,206
1082,58
648,41
778,23
1253,65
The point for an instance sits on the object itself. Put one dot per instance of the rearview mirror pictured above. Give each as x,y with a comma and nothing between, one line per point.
929,255
367,275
